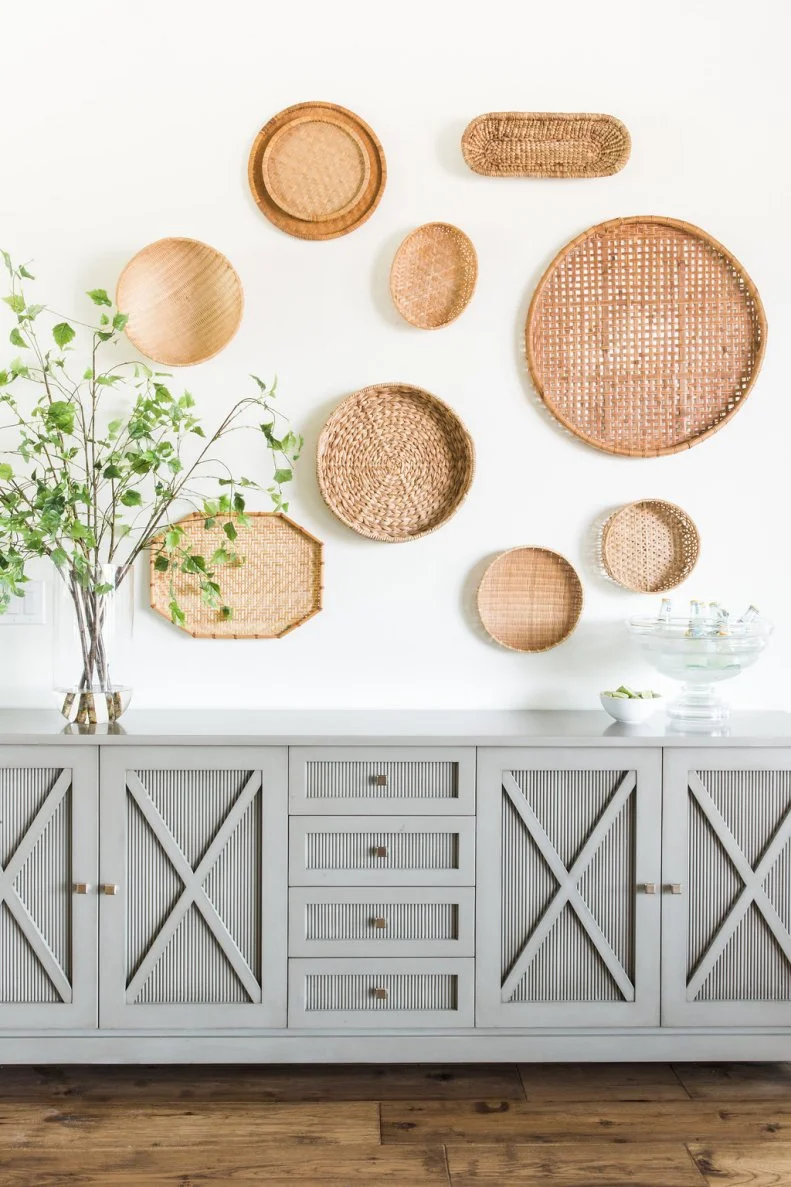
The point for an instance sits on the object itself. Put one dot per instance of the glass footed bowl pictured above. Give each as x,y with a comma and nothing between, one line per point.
700,661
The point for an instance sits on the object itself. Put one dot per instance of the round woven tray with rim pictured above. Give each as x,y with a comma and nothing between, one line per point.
649,546
275,586
184,301
317,170
644,336
530,599
545,144
433,275
394,462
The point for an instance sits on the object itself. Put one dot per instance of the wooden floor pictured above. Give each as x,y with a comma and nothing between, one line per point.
649,1125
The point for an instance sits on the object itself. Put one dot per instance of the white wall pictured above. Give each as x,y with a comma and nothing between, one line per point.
125,123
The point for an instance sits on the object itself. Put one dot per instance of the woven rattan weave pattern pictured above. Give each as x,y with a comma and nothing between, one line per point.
650,546
545,144
530,599
644,336
275,586
394,462
433,275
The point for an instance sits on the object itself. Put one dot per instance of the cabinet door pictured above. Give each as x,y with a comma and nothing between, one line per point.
726,939
568,911
48,904
194,897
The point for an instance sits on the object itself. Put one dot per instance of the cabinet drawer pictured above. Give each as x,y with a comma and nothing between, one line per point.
381,851
338,781
380,993
429,921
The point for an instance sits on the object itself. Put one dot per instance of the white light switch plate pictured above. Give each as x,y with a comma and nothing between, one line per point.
29,610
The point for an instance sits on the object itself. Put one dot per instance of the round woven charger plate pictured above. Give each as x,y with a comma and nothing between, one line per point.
275,587
184,301
530,599
317,170
433,275
644,336
650,546
394,462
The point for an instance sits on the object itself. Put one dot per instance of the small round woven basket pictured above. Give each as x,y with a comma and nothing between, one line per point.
433,275
530,599
649,546
394,463
184,301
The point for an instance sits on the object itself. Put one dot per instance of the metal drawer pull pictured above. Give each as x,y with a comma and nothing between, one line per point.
379,922
82,887
647,887
380,851
380,780
380,993
674,888
108,888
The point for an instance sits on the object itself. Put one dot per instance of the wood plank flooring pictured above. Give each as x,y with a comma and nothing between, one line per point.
594,1125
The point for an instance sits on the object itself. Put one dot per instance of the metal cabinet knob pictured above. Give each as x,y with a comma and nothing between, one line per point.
380,993
674,888
647,888
82,887
108,888
380,922
380,780
380,851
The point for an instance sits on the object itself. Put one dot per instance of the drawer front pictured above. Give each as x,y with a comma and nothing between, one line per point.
430,921
380,993
343,781
381,851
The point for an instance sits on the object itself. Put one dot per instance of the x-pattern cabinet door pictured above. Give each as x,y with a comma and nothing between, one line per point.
726,932
568,906
48,905
194,847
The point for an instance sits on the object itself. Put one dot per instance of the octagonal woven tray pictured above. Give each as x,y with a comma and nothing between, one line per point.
545,144
644,336
530,599
394,462
650,546
275,587
184,301
433,275
317,170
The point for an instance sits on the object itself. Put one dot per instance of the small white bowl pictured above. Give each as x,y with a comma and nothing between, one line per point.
630,710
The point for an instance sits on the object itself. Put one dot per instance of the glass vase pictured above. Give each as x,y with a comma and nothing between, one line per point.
92,643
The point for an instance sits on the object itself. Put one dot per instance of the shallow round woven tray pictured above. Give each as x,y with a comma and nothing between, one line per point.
545,144
649,546
644,336
530,599
394,462
184,301
317,170
433,275
275,586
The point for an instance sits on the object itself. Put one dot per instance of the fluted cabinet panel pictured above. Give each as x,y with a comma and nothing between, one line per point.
396,991
192,970
567,968
404,851
22,978
399,921
381,780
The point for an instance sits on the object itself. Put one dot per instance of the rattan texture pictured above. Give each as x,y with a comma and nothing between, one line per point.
649,546
274,587
644,336
394,462
433,275
530,599
184,301
316,170
545,144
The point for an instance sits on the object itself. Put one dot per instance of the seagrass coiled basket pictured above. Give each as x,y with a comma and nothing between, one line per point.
649,546
545,144
530,599
433,275
394,462
644,336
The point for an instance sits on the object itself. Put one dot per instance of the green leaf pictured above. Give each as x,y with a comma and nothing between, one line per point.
283,476
238,502
221,556
4,379
230,531
112,471
120,320
33,311
6,473
177,615
115,426
131,498
15,302
24,272
60,416
161,564
16,339
226,613
173,538
99,297
7,260
63,334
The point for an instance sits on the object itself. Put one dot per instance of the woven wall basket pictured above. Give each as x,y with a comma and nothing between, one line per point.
433,275
649,546
317,170
644,336
545,144
530,599
394,462
275,586
184,301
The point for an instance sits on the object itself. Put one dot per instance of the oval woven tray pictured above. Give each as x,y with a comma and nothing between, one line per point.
545,144
317,170
644,336
275,588
394,462
530,599
184,301
650,546
433,275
